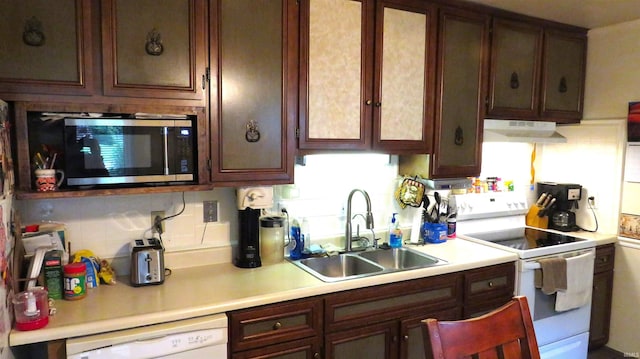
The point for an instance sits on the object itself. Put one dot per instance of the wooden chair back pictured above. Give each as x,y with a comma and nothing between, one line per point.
506,333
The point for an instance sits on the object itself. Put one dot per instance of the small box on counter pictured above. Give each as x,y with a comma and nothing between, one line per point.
52,270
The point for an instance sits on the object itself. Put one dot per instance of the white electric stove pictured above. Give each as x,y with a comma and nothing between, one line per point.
498,220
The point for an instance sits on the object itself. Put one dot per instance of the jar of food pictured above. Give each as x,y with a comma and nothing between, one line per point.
75,281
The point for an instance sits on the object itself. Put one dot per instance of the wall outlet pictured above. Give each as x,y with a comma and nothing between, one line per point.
154,215
210,211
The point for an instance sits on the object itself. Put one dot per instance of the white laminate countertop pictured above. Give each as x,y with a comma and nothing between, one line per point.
218,288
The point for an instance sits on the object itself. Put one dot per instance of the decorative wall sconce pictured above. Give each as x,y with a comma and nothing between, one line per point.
33,34
154,46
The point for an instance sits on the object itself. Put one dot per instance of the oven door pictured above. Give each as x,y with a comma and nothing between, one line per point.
557,332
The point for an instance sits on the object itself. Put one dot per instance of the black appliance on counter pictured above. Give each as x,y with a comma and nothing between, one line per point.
249,251
567,195
251,202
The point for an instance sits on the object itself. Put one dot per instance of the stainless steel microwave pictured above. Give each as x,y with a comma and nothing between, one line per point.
116,151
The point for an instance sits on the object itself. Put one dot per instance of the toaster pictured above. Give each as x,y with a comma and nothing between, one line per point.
147,262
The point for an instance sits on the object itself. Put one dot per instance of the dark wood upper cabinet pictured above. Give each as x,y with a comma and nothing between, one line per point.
515,69
367,75
154,49
563,75
253,107
46,47
461,82
537,71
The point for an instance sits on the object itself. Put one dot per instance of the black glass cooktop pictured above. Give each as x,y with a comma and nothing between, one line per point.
525,238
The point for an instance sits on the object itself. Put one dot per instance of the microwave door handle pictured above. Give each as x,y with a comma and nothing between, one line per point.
165,136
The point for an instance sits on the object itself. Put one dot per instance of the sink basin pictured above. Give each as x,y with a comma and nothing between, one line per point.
400,258
368,263
344,266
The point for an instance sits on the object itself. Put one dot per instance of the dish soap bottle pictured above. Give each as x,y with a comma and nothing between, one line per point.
395,233
296,241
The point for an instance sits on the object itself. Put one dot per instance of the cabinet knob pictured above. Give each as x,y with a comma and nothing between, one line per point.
405,338
490,284
277,326
316,355
368,102
378,104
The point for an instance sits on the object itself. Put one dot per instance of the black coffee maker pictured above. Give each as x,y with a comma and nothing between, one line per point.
251,201
567,195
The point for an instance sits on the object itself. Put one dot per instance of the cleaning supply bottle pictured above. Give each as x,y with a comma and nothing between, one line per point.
296,241
395,233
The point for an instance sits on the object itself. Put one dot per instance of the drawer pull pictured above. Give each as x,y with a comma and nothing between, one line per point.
490,284
277,326
316,355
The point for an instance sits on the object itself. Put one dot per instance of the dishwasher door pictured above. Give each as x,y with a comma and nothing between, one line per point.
203,337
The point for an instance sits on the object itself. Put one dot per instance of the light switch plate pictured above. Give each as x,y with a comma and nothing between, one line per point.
210,211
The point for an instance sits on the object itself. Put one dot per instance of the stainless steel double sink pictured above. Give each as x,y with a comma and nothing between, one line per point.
367,263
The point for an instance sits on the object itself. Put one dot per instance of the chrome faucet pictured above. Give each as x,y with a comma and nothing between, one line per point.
369,217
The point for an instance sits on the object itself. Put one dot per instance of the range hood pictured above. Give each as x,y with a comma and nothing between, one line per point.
521,131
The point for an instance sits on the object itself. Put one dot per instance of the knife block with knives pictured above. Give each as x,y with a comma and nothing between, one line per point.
537,214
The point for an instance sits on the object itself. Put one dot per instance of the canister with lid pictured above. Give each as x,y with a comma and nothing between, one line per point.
271,239
75,281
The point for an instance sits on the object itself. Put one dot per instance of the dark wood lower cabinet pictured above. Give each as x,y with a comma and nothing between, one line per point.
382,321
601,296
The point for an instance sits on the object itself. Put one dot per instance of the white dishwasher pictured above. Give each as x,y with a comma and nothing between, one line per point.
202,337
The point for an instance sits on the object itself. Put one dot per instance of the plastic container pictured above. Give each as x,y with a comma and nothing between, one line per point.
434,232
31,309
451,227
395,233
75,281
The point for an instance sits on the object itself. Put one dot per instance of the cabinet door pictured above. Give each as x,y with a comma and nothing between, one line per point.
601,297
515,61
600,309
336,74
462,77
563,75
254,92
404,76
378,341
154,49
411,337
45,47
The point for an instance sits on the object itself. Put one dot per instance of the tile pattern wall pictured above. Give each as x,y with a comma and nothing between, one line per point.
323,185
592,157
106,225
